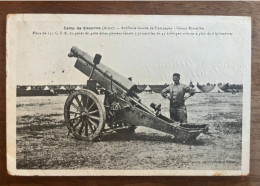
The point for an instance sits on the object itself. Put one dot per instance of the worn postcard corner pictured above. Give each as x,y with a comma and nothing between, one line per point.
128,95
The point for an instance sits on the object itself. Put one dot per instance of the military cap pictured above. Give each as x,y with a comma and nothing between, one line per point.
176,74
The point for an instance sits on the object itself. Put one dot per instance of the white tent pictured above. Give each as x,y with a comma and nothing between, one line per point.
62,88
78,88
148,89
29,88
217,90
196,89
46,88
223,86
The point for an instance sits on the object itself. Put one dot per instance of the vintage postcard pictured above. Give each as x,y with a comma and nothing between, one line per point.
130,95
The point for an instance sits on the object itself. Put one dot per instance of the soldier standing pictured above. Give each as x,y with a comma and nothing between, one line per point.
176,93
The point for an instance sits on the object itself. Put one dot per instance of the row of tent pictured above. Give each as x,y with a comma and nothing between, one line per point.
213,88
50,90
148,89
233,88
62,87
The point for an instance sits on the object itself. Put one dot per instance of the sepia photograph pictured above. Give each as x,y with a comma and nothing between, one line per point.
138,95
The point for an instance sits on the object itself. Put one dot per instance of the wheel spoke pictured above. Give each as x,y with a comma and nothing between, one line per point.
79,103
90,127
81,127
76,107
75,118
86,102
93,123
91,106
94,117
72,112
83,101
77,124
86,128
93,112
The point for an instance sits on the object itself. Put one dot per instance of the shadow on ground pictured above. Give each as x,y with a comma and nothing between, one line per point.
124,135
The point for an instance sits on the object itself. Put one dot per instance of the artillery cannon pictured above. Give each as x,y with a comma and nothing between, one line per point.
88,116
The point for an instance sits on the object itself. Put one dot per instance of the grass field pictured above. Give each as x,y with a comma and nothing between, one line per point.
42,141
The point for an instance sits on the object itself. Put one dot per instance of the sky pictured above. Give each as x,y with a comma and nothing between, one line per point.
43,59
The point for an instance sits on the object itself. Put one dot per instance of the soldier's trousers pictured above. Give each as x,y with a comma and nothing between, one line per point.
178,113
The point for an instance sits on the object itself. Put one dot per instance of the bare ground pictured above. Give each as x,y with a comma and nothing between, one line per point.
42,141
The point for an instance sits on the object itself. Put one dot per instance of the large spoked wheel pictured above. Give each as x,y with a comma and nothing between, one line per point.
84,115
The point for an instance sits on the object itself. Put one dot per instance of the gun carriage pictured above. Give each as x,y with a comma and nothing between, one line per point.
89,115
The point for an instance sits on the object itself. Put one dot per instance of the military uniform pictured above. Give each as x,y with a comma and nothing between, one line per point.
178,110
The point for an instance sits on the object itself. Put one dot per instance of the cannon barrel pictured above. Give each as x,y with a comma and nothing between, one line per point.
102,74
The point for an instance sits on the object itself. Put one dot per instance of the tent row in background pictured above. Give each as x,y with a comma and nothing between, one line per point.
46,90
52,90
219,88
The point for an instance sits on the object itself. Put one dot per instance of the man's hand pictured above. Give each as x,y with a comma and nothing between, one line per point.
192,93
168,97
